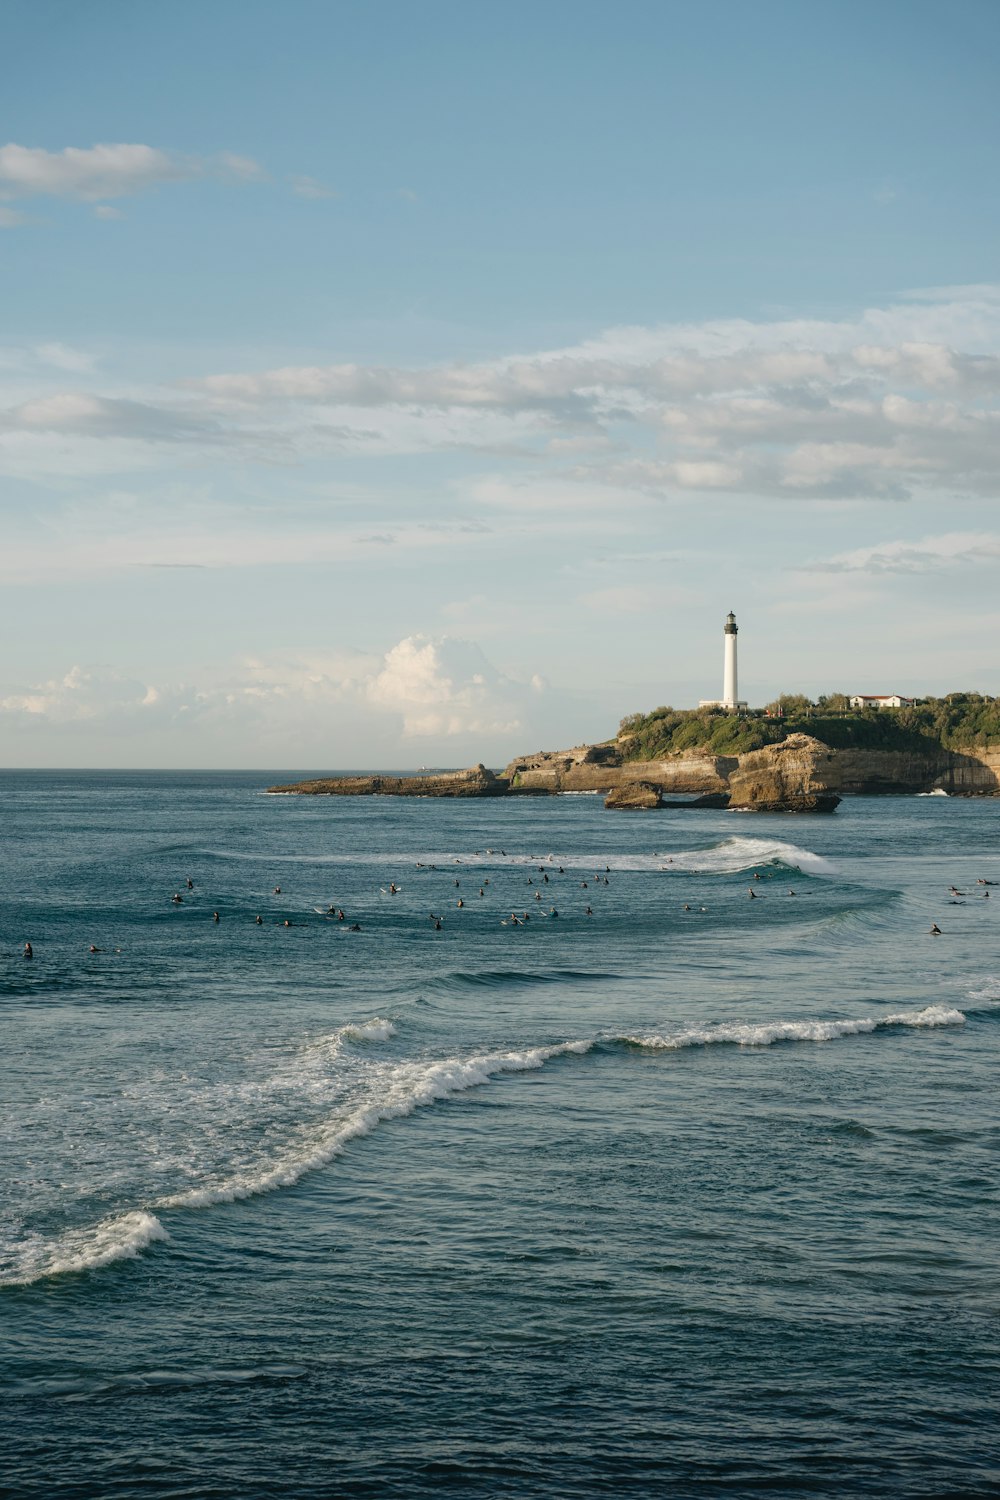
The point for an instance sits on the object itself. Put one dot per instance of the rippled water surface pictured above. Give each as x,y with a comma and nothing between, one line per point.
692,1192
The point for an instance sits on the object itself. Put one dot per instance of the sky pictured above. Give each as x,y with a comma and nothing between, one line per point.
388,384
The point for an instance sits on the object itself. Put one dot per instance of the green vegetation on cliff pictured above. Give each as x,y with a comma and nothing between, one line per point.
955,722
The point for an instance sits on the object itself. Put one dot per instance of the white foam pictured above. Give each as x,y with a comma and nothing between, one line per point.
398,1091
766,1033
118,1238
725,858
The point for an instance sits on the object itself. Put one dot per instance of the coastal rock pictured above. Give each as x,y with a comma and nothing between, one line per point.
634,794
788,777
475,782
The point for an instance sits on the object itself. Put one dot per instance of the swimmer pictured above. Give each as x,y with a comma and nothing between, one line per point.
29,951
259,920
215,916
935,929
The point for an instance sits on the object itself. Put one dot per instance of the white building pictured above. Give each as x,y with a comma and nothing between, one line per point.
730,700
881,700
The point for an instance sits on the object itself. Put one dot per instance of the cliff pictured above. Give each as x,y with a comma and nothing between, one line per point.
793,776
800,773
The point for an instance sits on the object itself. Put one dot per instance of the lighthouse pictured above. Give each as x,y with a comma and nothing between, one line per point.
730,694
730,700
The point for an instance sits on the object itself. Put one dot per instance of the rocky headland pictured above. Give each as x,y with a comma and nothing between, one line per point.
799,773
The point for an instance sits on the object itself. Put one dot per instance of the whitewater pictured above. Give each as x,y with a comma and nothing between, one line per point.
607,1154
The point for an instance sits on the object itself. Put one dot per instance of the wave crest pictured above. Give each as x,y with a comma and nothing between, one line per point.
766,1033
118,1238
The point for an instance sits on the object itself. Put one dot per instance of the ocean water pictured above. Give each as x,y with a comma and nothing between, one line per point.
693,1194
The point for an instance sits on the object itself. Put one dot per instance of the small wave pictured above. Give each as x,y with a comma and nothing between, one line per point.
406,1088
118,1238
727,857
989,992
375,1030
495,979
938,791
766,1033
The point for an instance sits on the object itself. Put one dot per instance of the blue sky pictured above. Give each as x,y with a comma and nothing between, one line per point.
398,384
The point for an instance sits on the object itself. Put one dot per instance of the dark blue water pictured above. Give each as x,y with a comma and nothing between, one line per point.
693,1194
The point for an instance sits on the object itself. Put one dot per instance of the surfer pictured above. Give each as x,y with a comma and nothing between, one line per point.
215,916
751,893
935,929
259,920
589,912
553,913
393,888
29,951
355,927
459,902
177,899
277,890
437,925
954,892
189,883
95,950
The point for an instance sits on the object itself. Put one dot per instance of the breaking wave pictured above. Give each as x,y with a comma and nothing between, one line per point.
766,1033
404,1087
117,1238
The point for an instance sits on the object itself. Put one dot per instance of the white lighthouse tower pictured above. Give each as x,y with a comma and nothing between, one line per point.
730,693
730,699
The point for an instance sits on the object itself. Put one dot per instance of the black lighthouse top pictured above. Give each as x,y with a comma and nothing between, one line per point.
731,626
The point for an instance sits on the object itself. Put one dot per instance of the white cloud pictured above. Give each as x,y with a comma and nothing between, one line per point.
13,218
434,688
107,171
309,187
446,687
930,554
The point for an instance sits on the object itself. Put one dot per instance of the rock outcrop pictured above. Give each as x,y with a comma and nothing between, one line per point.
792,776
476,782
639,795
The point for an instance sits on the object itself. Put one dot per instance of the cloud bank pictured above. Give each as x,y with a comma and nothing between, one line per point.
896,403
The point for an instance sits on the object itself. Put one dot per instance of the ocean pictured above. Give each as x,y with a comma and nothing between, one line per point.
664,1189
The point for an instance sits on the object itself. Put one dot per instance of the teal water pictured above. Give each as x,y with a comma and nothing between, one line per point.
648,1201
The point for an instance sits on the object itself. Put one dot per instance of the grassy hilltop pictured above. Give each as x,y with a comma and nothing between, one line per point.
958,721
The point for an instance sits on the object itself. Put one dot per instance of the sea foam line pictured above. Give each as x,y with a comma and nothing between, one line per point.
766,1033
405,1088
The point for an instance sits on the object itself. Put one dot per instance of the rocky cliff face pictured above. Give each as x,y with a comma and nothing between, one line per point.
600,768
790,777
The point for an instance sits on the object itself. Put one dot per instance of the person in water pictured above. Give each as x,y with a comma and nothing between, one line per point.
215,916
177,899
935,929
29,951
259,920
